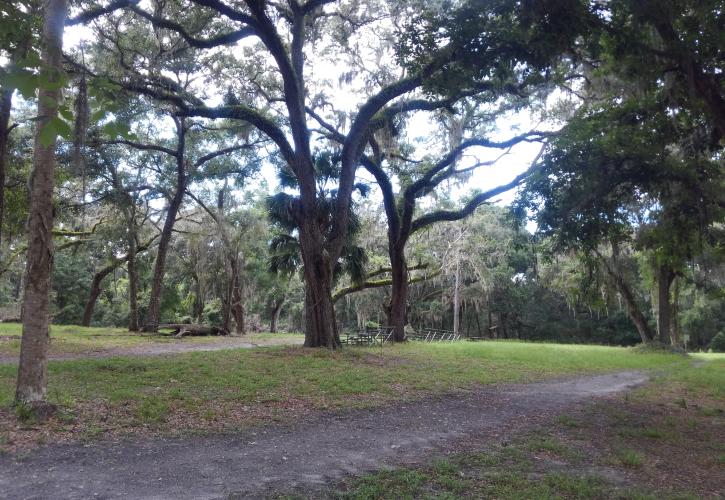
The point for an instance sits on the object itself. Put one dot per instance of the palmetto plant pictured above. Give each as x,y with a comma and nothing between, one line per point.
285,255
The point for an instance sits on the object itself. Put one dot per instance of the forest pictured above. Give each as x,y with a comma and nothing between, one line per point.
544,177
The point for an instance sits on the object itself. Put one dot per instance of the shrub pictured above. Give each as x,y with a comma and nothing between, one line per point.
717,344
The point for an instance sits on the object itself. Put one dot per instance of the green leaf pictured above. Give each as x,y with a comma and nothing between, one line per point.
63,128
97,116
47,134
115,129
23,80
66,113
52,129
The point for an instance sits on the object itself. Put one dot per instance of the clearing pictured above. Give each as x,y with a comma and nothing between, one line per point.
511,420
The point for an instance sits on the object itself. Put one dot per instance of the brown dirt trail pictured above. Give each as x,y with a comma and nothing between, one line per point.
323,448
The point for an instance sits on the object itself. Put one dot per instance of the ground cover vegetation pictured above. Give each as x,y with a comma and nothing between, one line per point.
318,166
662,441
223,391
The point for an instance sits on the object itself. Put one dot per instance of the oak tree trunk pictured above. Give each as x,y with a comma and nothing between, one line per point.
320,322
396,311
665,275
633,311
93,296
276,310
33,368
151,322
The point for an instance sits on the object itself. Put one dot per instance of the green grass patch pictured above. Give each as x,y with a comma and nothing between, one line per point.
148,390
325,378
630,458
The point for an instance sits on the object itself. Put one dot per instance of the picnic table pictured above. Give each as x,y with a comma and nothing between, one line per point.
369,336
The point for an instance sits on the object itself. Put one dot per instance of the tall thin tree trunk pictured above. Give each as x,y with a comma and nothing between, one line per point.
6,101
276,310
151,323
133,319
457,297
237,299
33,366
664,303
93,296
198,306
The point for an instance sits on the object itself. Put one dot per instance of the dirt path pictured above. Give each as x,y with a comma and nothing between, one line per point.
158,349
326,447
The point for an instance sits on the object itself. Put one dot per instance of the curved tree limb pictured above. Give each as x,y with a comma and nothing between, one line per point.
452,215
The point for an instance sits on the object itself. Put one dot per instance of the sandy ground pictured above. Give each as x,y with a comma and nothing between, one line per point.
162,349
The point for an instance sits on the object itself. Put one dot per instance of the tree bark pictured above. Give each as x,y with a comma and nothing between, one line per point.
151,322
33,366
133,319
237,299
665,275
457,297
398,307
94,294
320,321
6,101
276,310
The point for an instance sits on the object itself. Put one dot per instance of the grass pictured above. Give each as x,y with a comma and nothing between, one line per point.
583,454
327,379
231,389
73,340
630,458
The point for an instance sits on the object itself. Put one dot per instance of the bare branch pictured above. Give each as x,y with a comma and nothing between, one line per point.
478,200
95,13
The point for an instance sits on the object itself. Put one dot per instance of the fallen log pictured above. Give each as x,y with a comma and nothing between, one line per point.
181,329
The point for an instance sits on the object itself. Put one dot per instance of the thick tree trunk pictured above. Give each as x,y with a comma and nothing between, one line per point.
396,311
6,101
276,310
664,303
33,367
151,322
320,322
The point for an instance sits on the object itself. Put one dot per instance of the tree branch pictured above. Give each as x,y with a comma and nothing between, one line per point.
97,12
251,116
199,43
380,283
471,206
143,147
